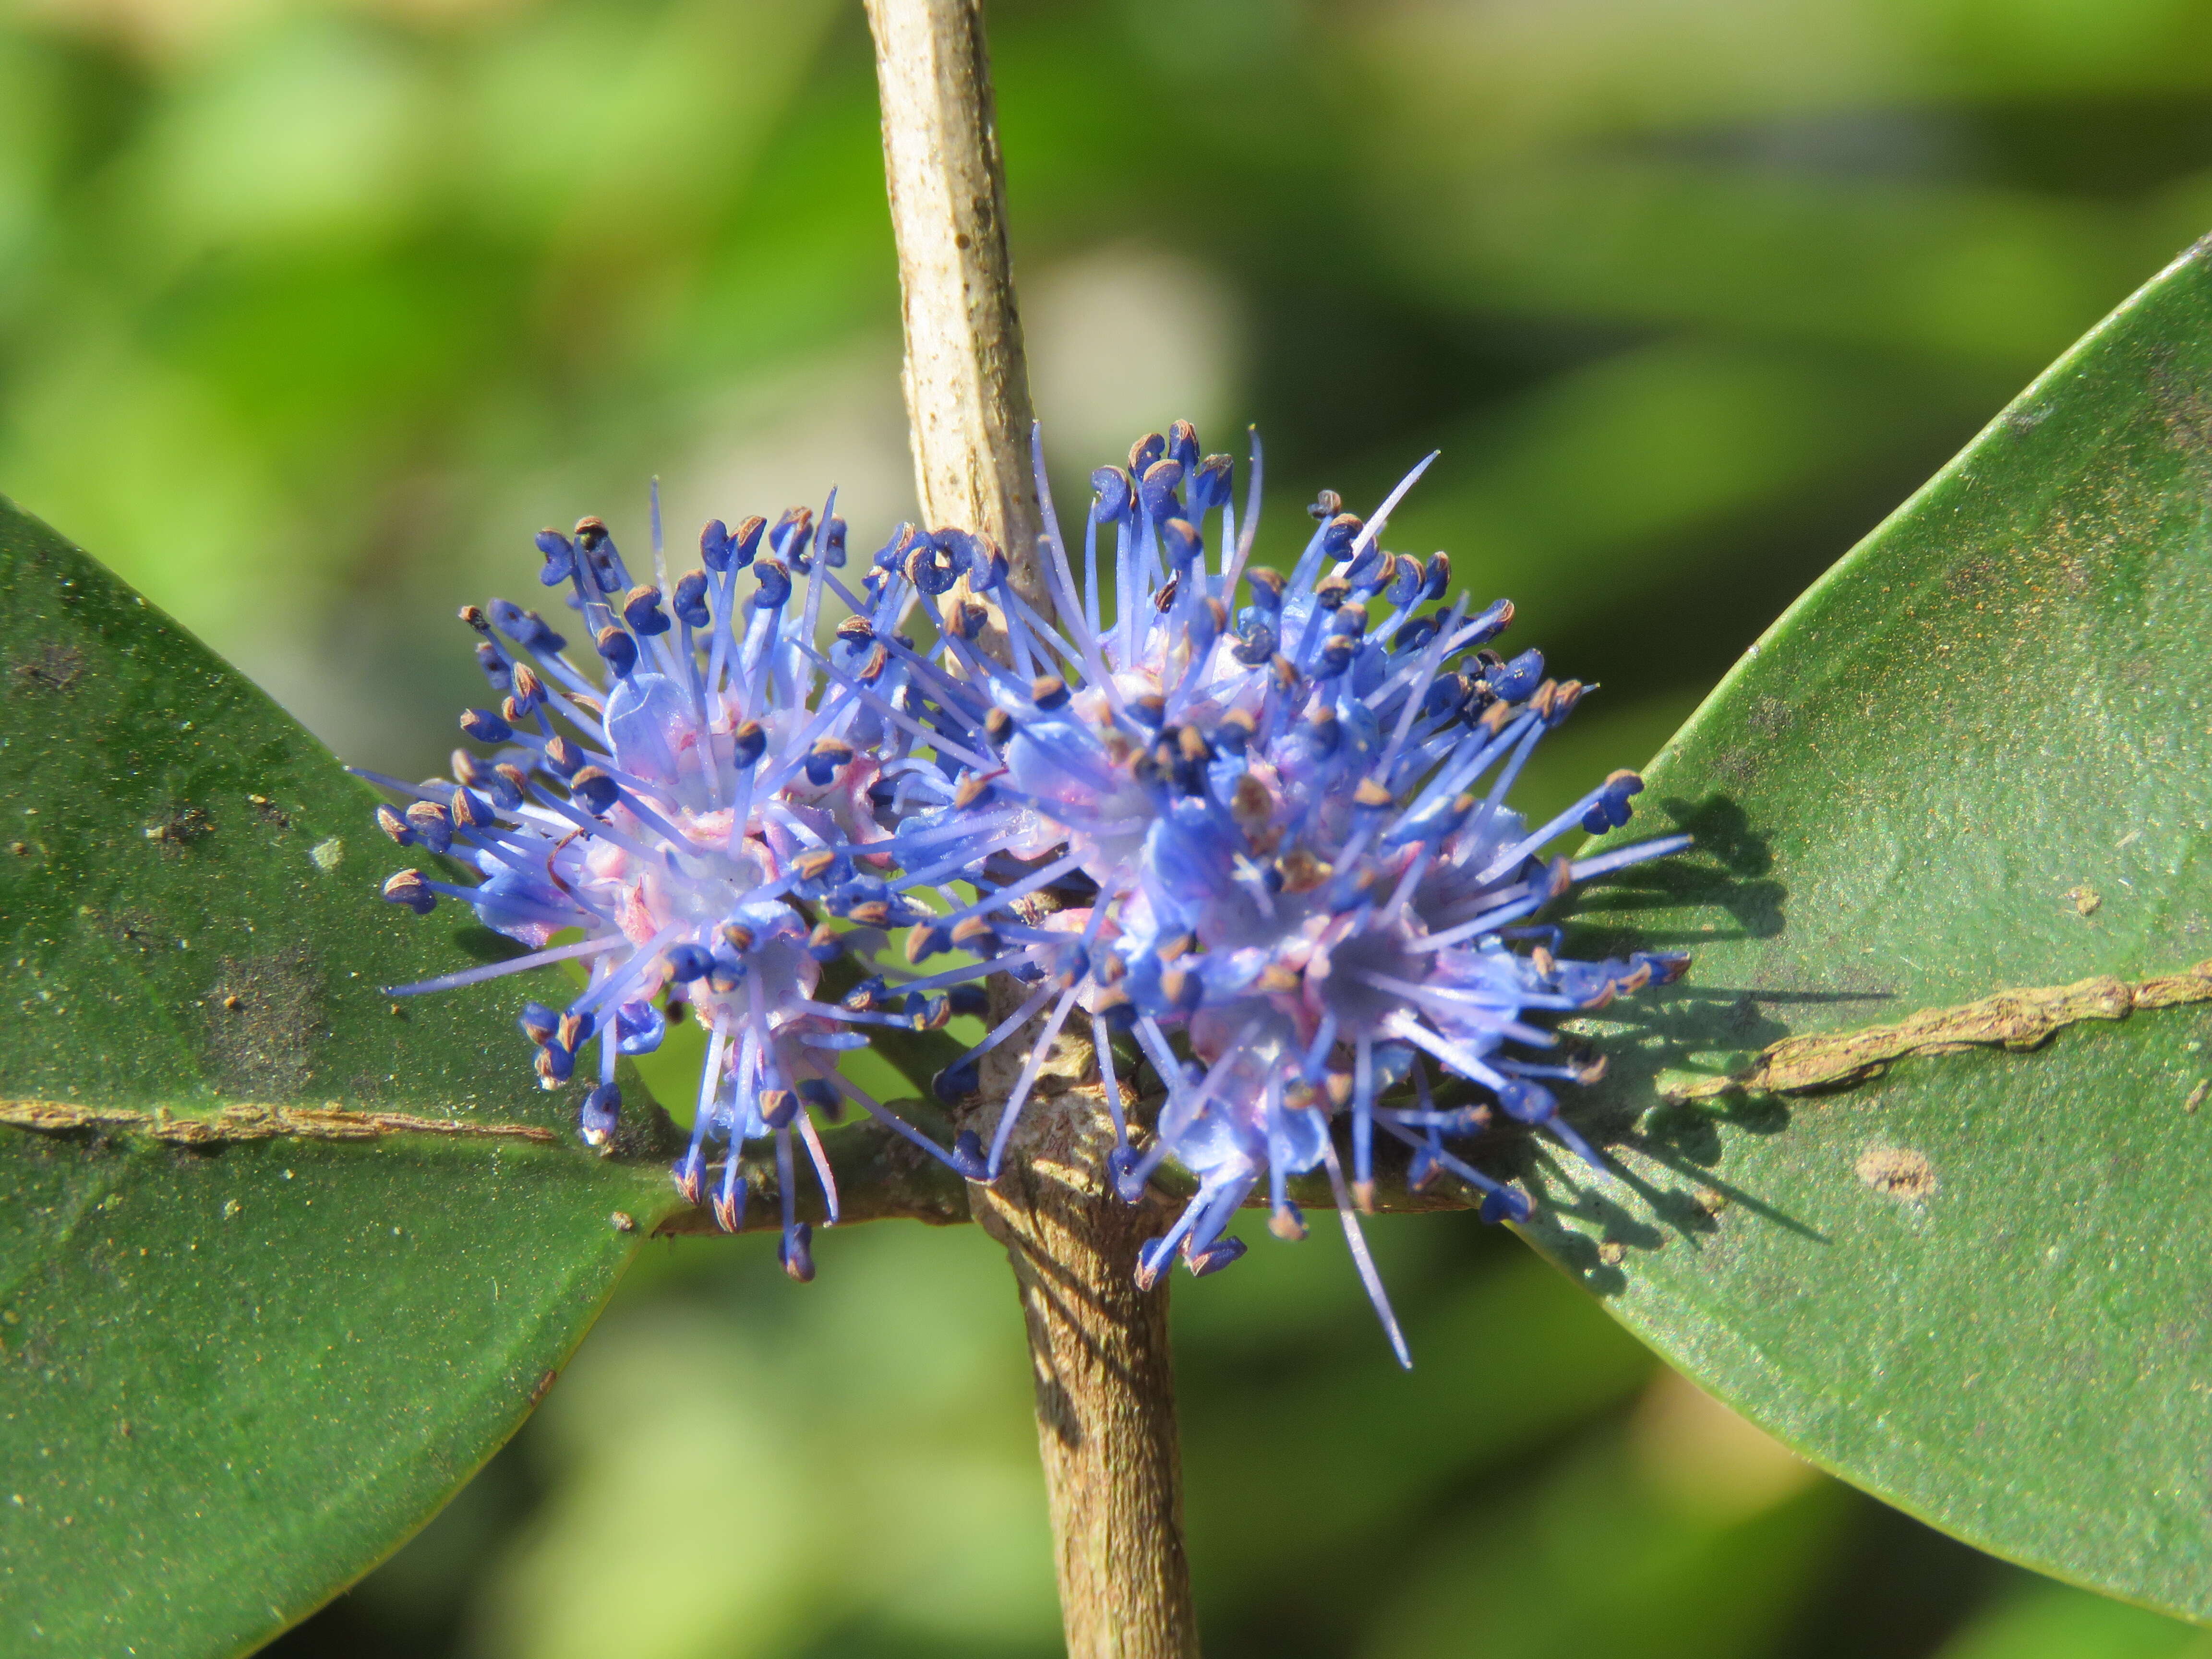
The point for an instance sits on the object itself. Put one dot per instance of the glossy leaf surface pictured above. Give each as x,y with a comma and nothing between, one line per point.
234,1376
1973,758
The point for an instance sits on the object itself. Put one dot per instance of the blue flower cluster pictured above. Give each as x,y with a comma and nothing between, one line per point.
1270,839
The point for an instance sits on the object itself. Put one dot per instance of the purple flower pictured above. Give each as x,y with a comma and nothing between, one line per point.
684,804
1290,822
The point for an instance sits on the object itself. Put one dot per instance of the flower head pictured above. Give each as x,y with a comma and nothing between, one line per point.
684,803
1290,818
1277,833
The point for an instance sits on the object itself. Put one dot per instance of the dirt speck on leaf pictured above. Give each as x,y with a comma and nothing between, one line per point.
265,1017
184,826
1770,717
1897,1172
2085,900
51,669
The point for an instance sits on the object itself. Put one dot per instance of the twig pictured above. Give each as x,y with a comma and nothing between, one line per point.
1105,1396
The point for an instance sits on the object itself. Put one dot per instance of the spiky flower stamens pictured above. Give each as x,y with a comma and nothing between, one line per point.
1290,821
1269,844
685,806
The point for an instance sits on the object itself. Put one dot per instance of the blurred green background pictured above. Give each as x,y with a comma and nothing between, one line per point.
311,313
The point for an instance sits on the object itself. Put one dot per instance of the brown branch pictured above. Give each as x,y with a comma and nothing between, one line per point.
2015,1020
881,1176
1105,1398
966,378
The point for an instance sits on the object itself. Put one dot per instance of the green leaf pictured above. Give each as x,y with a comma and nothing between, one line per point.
235,1374
1973,758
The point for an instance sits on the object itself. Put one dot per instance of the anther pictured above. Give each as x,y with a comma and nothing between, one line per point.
556,1065
597,1118
593,790
485,727
827,755
975,934
431,824
730,1207
774,590
1211,482
642,610
470,809
408,888
964,618
689,603
618,650
749,742
687,963
1113,491
559,557
1437,576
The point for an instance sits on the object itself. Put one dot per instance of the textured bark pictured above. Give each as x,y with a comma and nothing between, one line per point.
1105,1390
966,378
